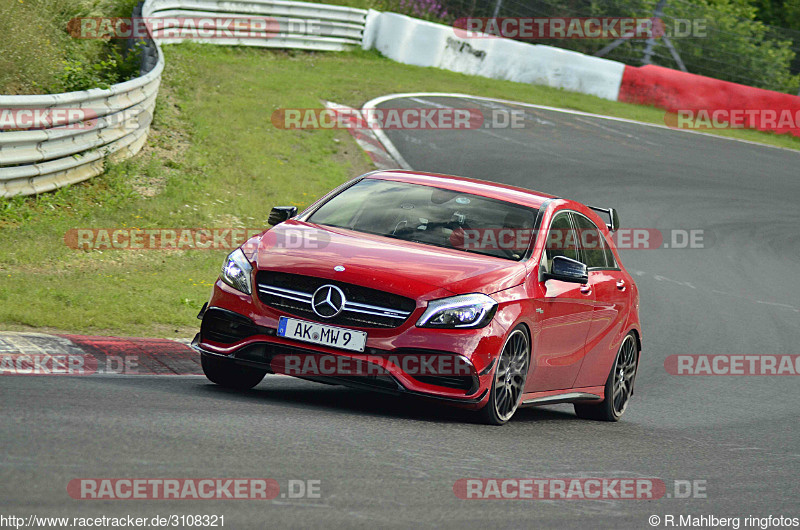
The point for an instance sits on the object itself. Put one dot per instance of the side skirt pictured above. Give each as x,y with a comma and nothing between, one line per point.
572,395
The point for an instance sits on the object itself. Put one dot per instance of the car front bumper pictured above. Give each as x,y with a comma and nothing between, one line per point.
237,328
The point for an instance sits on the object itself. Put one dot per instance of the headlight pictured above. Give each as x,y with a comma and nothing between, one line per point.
236,271
462,311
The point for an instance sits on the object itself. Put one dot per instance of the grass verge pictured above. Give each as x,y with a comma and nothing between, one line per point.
214,160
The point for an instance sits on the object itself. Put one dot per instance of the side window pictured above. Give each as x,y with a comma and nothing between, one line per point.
560,240
591,242
611,263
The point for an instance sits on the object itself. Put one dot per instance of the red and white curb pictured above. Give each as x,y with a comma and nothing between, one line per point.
371,140
23,353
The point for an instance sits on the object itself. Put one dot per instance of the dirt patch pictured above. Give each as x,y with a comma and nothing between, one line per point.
166,145
351,156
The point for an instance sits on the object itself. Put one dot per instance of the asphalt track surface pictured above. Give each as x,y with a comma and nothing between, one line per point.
391,462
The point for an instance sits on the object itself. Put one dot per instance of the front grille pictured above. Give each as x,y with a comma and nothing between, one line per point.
364,307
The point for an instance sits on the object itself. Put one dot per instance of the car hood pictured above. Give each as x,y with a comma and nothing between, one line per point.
410,269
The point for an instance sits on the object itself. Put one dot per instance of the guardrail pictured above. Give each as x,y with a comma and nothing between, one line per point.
292,24
113,123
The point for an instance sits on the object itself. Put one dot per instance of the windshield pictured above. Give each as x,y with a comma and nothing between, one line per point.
432,216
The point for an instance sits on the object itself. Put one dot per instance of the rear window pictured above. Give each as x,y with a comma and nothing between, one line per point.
431,216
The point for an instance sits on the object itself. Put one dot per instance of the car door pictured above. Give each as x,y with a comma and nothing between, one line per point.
612,298
563,313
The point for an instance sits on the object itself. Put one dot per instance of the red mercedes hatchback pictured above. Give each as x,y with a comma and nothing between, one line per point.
481,295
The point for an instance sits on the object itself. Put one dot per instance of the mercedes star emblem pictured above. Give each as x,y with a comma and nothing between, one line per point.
328,301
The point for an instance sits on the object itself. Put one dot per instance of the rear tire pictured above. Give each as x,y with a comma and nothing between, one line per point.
509,379
619,385
230,375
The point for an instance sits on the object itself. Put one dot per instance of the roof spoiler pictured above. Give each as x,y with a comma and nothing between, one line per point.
613,217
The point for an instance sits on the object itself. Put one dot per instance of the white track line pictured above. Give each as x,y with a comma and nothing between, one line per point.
373,103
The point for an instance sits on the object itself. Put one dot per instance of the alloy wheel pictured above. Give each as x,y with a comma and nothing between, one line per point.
512,370
624,374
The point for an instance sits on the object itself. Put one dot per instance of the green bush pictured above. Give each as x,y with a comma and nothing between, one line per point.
37,54
75,75
738,47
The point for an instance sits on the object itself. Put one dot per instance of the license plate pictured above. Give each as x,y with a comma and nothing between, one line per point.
346,339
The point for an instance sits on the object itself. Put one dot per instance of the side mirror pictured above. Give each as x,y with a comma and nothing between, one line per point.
612,213
567,270
280,214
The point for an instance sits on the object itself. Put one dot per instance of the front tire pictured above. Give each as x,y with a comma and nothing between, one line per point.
619,385
509,379
230,375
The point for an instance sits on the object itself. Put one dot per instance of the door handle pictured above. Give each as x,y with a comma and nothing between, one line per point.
621,285
586,289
